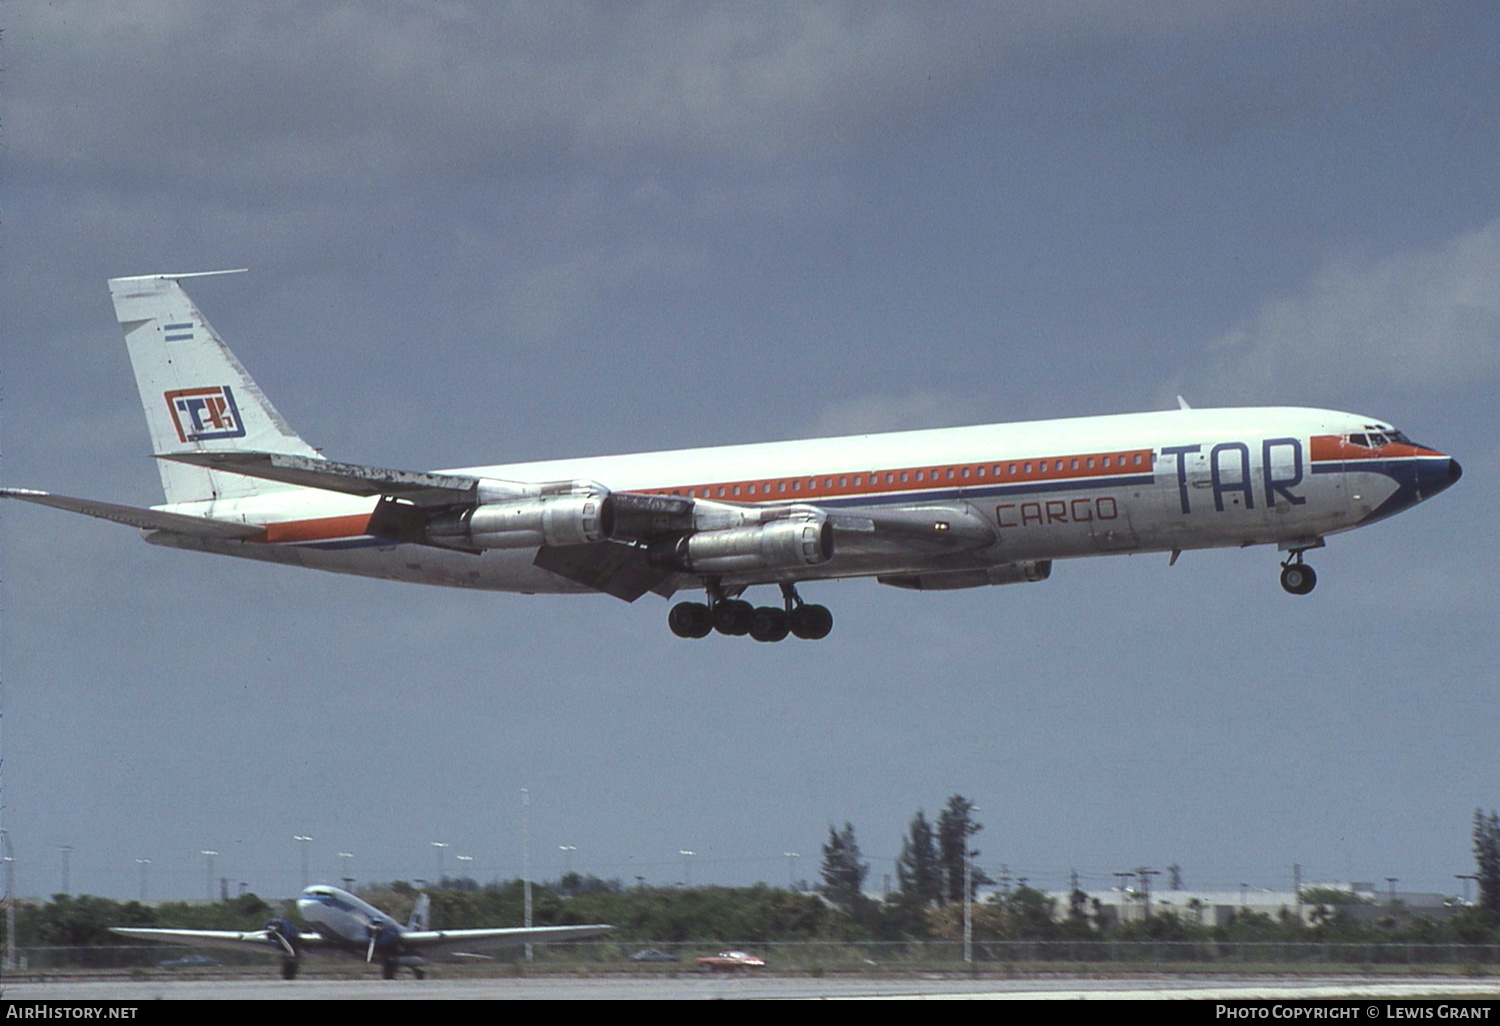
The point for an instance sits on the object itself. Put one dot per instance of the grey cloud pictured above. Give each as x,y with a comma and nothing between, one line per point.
1427,317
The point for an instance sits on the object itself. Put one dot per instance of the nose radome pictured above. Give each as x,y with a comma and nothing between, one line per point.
1454,471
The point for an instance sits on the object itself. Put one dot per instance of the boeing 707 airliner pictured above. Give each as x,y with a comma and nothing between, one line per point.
935,509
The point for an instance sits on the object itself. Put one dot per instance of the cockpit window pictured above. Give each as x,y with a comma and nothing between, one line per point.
1359,440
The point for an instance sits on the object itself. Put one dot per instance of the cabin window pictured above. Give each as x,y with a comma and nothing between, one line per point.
1089,462
950,473
1026,467
1136,459
734,490
964,472
1074,464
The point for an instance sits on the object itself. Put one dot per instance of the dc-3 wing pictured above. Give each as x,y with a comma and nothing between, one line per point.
146,519
217,938
448,941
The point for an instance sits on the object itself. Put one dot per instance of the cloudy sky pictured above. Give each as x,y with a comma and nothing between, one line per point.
484,232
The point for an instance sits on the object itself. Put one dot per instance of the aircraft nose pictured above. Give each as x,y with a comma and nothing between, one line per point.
1454,471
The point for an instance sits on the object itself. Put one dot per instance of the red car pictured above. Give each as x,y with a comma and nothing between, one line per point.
728,961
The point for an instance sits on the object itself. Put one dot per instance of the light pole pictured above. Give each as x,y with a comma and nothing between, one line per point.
687,866
791,869
302,839
344,857
969,893
143,863
1465,877
567,850
439,845
526,860
209,871
66,850
465,859
10,900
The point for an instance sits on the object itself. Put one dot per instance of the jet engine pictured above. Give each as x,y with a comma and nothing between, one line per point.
943,580
524,523
804,539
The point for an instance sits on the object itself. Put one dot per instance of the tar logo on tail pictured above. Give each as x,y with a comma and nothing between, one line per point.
201,414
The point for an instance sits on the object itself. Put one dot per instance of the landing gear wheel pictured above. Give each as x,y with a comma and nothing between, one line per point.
1298,578
690,620
768,623
388,971
732,616
811,622
419,973
288,970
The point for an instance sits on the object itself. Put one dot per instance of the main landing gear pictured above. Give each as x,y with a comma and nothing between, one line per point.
1296,576
736,617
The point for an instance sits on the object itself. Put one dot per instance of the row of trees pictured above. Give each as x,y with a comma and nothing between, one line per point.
936,861
935,865
930,872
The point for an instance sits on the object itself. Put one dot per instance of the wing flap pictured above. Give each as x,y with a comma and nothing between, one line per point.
135,516
619,570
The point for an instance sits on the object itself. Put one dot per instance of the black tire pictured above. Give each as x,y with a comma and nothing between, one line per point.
288,970
690,620
811,622
388,971
732,617
1298,578
768,623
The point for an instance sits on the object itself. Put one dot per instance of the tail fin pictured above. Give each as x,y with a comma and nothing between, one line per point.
421,913
196,395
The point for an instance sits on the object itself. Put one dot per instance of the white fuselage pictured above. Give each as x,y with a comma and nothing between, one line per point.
1056,489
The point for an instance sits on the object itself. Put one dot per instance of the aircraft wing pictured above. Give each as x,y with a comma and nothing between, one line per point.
438,941
215,938
419,487
135,516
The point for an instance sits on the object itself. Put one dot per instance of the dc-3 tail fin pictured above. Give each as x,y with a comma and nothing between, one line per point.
197,396
421,913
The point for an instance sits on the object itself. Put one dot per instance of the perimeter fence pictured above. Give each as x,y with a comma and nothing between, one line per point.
823,956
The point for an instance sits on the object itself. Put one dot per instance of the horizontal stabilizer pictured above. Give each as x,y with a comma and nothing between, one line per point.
350,478
135,516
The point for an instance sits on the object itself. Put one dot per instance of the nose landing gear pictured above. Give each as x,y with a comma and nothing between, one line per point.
1296,576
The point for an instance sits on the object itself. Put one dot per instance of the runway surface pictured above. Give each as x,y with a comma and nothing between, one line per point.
692,987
